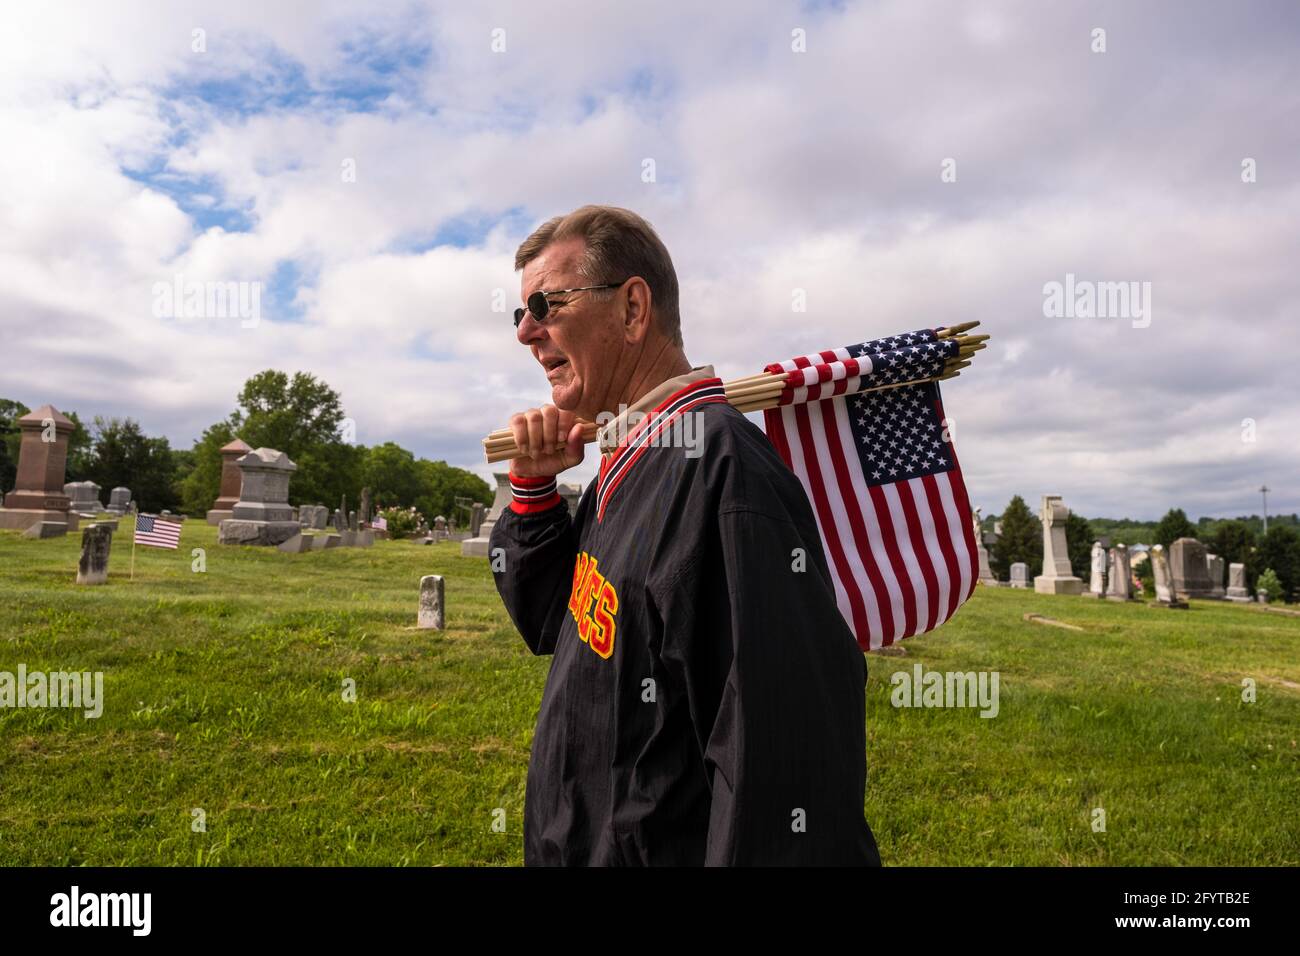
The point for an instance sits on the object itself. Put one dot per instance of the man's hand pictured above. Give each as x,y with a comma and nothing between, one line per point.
549,441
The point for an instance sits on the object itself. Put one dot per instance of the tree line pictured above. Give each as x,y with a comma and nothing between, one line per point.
299,415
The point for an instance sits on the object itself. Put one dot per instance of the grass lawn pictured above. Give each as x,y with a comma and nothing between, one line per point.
224,692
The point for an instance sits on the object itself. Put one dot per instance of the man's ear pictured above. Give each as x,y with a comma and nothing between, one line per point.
636,312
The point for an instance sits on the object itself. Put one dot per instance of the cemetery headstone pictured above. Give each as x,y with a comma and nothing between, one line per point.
476,513
1020,575
1164,582
477,546
1097,581
986,575
1190,569
231,477
1057,577
363,514
262,515
37,497
571,494
119,500
1237,583
1119,586
431,602
96,541
1216,566
83,497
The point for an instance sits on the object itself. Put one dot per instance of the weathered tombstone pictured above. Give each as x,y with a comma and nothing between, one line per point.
477,546
1097,579
83,498
340,522
476,513
352,521
1164,582
1215,566
1020,575
322,518
322,542
1261,595
431,602
297,544
37,497
363,515
119,500
262,515
1190,570
986,575
1119,587
96,541
1237,583
1057,577
571,494
231,477
439,531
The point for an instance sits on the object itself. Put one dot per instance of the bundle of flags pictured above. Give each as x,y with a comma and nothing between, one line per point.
863,428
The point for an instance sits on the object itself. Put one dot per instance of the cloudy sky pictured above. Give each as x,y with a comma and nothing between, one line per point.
371,168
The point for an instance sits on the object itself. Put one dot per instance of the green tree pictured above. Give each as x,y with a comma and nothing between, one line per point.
1172,526
10,439
1078,540
392,475
123,455
290,415
1280,551
81,451
1021,540
201,486
1269,582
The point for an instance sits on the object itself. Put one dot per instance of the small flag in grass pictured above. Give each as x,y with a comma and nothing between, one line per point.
153,531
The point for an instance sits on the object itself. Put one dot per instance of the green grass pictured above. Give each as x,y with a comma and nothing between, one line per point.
224,692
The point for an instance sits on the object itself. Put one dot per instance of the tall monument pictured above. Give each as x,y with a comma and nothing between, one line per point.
1057,577
38,496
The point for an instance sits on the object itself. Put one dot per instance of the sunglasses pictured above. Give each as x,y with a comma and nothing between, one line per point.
539,305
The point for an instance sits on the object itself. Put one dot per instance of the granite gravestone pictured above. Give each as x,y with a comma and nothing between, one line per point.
1191,571
1237,583
1119,586
1216,566
1020,575
231,477
1097,581
986,575
1057,577
38,497
432,614
119,500
83,498
96,541
477,546
262,515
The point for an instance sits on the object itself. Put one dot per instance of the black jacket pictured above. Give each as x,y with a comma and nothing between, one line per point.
706,700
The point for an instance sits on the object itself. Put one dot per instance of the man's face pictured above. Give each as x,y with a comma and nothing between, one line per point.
579,343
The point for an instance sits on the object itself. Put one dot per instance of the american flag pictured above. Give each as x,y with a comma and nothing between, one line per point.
881,472
157,533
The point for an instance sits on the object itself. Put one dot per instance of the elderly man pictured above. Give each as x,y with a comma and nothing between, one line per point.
706,701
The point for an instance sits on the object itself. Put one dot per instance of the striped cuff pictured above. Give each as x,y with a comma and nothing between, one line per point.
533,494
